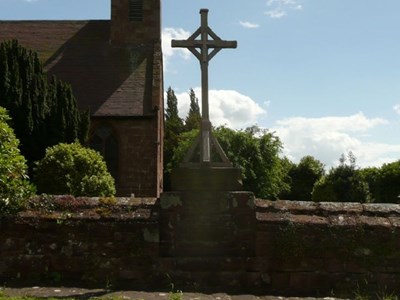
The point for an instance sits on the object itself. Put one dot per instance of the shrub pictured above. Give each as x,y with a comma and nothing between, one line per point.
73,169
14,185
44,113
344,183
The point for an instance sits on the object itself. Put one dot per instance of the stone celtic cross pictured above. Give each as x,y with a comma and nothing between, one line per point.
205,44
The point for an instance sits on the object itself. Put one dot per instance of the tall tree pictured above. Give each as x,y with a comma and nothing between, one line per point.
172,112
193,119
173,128
43,113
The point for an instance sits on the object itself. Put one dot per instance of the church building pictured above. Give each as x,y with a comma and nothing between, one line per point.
116,71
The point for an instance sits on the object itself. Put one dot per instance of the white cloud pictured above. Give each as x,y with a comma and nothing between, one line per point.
249,25
396,108
276,13
227,107
169,34
279,8
327,138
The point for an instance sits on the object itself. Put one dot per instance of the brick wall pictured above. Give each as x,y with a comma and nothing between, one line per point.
310,247
90,243
282,247
139,150
124,31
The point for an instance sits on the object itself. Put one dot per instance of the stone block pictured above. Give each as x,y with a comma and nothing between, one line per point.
206,178
343,220
295,206
329,208
374,221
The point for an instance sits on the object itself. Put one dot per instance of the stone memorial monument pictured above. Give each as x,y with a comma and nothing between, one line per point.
206,215
205,165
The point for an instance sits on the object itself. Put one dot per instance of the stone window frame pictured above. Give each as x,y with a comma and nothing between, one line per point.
104,132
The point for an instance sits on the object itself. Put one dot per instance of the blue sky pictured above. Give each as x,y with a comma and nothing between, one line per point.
323,74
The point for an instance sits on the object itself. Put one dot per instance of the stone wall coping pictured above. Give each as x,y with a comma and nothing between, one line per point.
60,208
328,208
124,209
328,213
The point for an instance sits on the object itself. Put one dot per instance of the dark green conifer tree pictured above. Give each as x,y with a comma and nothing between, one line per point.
43,113
193,119
172,130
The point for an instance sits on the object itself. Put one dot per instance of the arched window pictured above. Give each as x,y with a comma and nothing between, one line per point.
136,10
104,141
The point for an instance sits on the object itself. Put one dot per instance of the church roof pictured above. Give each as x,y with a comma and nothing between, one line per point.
109,80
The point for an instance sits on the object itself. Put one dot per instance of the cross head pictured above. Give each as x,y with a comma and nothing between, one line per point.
205,44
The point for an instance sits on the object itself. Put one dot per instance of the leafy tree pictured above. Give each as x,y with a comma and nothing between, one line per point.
186,140
303,176
73,169
193,119
371,176
254,151
43,113
344,183
388,187
14,184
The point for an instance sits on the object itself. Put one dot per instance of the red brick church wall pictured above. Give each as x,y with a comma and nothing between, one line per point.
138,151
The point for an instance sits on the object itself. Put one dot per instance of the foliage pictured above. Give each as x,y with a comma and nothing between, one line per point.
73,169
255,151
303,176
173,128
43,113
344,183
388,187
14,185
371,176
193,119
186,140
175,295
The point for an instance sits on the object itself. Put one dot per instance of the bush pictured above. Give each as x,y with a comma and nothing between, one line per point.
344,183
73,169
14,185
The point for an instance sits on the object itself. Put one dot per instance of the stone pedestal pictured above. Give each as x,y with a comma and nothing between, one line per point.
206,179
207,224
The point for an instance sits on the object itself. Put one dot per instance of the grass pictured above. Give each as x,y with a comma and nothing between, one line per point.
360,295
175,295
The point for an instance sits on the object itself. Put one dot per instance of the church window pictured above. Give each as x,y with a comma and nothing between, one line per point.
103,140
136,10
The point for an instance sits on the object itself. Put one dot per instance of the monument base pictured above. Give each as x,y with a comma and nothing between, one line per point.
207,224
206,178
